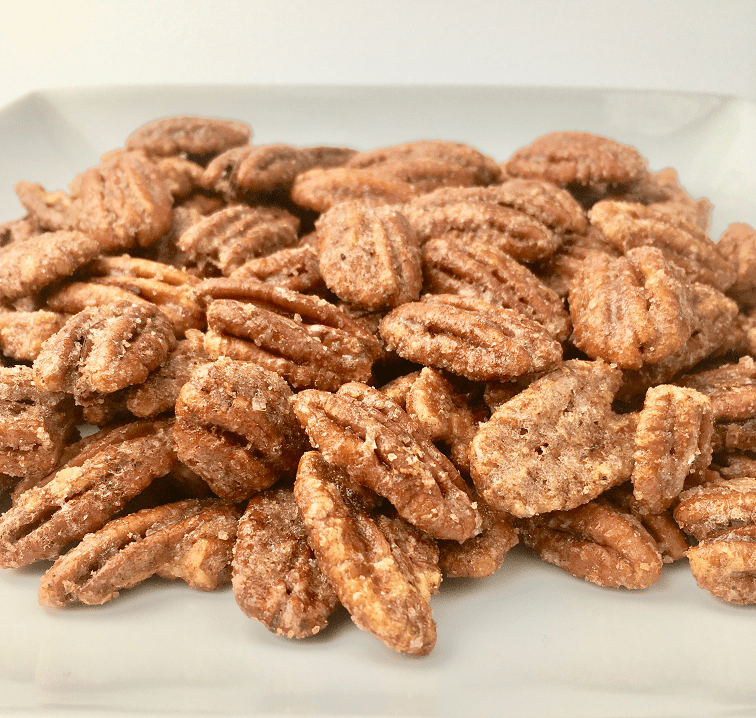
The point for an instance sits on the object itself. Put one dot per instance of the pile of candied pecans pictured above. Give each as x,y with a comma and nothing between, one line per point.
333,377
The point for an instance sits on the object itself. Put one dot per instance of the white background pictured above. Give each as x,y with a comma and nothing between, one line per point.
694,45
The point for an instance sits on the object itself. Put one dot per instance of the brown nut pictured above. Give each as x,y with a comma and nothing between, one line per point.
716,507
22,334
731,388
294,268
50,211
738,245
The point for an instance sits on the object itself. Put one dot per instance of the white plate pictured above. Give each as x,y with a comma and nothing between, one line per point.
531,640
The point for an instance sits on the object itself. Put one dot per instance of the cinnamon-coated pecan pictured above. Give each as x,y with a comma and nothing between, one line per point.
731,388
182,176
295,268
22,334
712,508
738,245
50,211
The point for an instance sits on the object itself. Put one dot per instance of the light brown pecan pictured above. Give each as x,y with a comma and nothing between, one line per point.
731,388
189,135
555,445
469,337
103,349
481,270
630,310
685,245
380,446
235,427
308,341
191,540
369,570
597,543
182,176
276,579
84,493
22,334
718,506
18,230
296,268
225,239
50,211
369,255
738,245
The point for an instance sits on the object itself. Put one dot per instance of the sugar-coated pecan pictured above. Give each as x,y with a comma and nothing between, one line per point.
731,388
369,255
712,508
225,239
191,540
597,543
236,428
483,270
182,176
369,570
308,341
673,440
18,230
685,245
734,435
295,268
555,445
188,135
276,579
380,446
470,337
84,493
630,310
103,349
50,211
738,245
22,334
34,425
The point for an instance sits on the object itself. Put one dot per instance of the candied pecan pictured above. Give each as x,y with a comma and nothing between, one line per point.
18,230
276,579
22,334
225,239
630,310
235,427
483,270
189,135
577,158
369,255
34,425
738,245
735,466
191,540
84,493
380,446
730,435
555,445
294,268
27,267
597,543
714,507
368,570
123,201
48,210
673,439
685,245
103,349
182,176
731,388
308,341
469,337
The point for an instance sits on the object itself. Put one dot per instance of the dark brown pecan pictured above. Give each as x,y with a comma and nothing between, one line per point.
731,388
225,239
84,493
380,446
294,268
191,540
481,270
555,445
308,341
22,334
103,349
235,427
469,337
630,310
716,507
685,245
385,589
369,255
597,543
276,579
189,135
50,211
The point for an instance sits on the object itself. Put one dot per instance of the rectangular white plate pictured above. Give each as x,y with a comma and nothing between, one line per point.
531,640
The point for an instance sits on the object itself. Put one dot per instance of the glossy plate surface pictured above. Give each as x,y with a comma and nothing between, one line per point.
531,640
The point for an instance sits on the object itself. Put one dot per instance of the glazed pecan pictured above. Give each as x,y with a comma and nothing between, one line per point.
597,543
630,310
555,445
18,230
369,255
731,388
385,584
685,245
276,579
49,211
103,349
738,245
718,506
308,341
235,427
22,334
294,268
34,425
189,135
191,540
469,337
673,439
481,270
225,239
380,446
84,493
182,176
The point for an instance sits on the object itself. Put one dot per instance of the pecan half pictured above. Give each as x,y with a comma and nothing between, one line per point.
296,268
50,211
718,506
738,245
22,334
731,388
